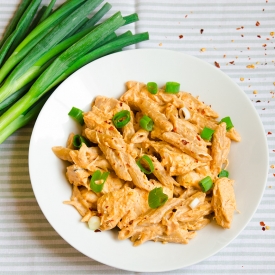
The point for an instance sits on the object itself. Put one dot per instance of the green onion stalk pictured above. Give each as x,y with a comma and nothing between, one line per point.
37,34
30,66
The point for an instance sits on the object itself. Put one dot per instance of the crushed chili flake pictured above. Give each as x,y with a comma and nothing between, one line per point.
217,64
263,228
257,23
180,36
184,142
262,224
264,45
111,128
242,35
201,31
198,138
186,15
97,230
258,101
258,36
272,166
232,62
269,133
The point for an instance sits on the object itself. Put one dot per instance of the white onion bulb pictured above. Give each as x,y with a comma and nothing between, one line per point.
194,203
94,222
184,113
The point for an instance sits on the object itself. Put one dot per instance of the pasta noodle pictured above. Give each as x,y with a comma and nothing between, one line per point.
178,161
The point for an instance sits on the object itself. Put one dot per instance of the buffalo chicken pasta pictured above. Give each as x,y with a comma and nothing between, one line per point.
151,163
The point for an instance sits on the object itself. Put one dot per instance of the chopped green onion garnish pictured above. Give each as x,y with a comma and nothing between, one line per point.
77,114
152,87
206,184
148,161
228,122
207,133
78,140
98,180
223,174
146,123
121,118
157,198
172,87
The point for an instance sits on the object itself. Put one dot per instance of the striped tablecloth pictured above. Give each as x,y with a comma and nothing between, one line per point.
233,34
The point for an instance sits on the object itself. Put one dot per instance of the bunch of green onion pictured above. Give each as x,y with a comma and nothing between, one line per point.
42,47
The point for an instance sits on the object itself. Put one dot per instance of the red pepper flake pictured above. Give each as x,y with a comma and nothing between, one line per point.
128,165
111,128
180,36
257,23
201,31
175,129
120,104
263,228
198,138
273,175
258,36
97,230
273,150
258,101
264,45
262,224
217,64
232,62
269,133
186,15
241,35
184,142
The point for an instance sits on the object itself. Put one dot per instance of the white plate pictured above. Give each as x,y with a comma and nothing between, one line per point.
107,76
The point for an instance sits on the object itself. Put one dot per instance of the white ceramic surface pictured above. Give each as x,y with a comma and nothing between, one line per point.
107,76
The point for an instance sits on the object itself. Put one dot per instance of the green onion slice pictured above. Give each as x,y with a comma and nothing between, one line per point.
172,87
77,115
206,184
146,123
78,140
149,163
228,122
121,118
97,181
152,87
157,198
207,133
223,174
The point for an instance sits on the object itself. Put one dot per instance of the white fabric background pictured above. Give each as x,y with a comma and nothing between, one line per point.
28,243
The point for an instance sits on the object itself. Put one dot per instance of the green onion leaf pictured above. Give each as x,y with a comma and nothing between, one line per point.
228,122
172,87
148,162
121,118
223,174
206,184
77,115
152,87
157,198
207,133
146,123
78,140
97,181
